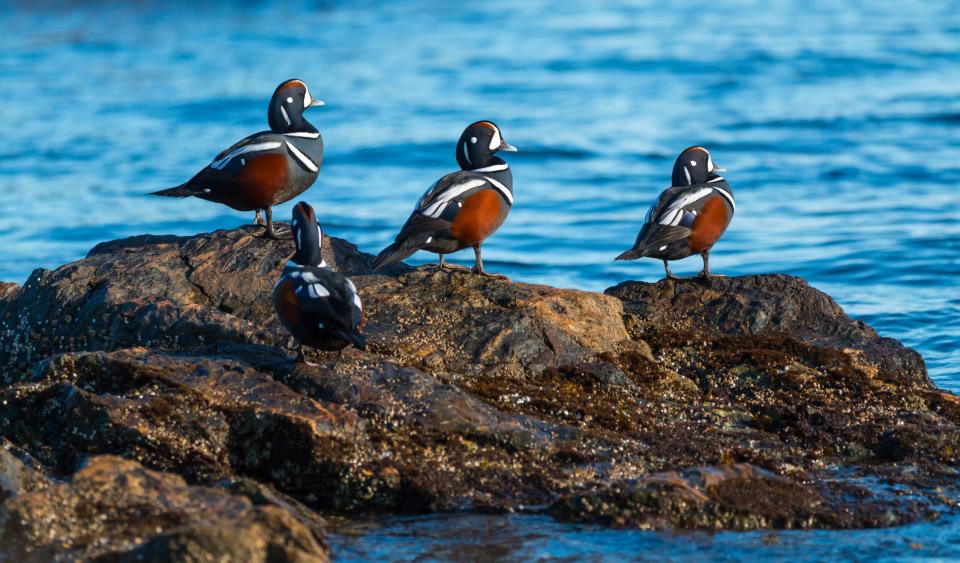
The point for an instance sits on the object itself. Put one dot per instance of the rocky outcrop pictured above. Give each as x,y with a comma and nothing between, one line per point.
765,305
112,505
155,368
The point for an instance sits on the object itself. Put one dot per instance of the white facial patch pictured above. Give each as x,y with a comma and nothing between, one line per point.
710,166
473,140
289,100
496,140
693,163
306,97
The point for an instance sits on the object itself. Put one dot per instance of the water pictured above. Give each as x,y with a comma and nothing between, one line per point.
839,124
472,537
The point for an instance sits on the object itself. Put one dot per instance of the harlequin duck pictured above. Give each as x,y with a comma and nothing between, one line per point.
266,168
463,208
689,217
318,306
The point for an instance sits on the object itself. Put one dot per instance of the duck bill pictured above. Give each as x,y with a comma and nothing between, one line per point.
315,103
506,147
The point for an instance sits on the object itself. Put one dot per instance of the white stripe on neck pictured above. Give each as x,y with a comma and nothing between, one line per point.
304,134
492,168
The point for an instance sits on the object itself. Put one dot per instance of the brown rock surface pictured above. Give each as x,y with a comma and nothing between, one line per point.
698,404
112,505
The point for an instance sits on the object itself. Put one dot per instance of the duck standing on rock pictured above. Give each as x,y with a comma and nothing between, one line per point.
689,217
266,168
318,306
463,208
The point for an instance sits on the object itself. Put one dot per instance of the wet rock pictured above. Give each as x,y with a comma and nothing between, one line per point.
7,289
158,291
765,305
469,324
474,393
19,472
117,510
736,497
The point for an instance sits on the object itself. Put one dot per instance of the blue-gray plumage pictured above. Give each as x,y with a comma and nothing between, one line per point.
690,216
266,168
318,306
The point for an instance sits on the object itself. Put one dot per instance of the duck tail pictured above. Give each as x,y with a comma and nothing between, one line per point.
632,254
357,339
183,190
393,254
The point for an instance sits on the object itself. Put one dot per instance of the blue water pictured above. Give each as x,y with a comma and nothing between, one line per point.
839,124
481,537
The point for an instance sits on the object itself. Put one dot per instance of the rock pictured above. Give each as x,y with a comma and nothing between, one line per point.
7,288
730,403
19,473
191,293
115,508
469,324
765,305
734,497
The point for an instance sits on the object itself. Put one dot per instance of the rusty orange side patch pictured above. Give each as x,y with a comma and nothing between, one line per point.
260,179
287,305
477,218
709,225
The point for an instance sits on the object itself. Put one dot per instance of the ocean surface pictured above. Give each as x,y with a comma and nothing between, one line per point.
838,122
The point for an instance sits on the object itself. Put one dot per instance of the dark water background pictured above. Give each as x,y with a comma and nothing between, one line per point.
839,123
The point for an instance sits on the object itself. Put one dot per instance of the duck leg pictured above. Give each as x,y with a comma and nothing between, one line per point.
478,266
270,233
301,356
444,267
670,275
258,218
706,273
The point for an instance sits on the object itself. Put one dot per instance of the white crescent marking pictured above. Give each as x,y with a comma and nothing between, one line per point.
219,164
302,157
493,168
303,134
496,140
502,189
437,206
